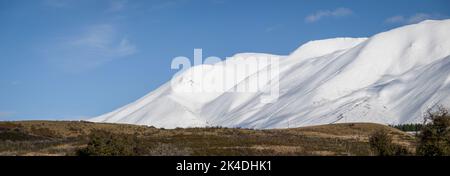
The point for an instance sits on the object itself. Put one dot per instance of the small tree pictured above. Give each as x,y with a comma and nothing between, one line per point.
434,138
381,143
103,143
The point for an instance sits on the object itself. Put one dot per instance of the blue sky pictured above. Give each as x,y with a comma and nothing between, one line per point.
73,59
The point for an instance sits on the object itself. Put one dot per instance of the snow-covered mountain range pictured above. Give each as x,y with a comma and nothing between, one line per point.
389,78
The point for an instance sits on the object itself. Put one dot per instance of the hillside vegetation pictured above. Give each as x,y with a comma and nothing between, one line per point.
86,138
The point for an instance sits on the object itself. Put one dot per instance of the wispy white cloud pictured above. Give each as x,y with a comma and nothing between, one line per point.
167,4
117,5
73,117
95,46
218,1
395,19
108,5
339,12
121,5
5,113
16,82
57,3
273,28
418,17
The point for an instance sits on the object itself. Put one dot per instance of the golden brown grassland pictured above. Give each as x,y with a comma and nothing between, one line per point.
66,137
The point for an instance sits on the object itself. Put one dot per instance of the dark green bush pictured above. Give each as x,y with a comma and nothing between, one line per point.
434,138
43,132
381,143
103,143
16,135
408,127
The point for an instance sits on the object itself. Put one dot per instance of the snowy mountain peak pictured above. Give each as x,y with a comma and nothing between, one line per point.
390,78
318,48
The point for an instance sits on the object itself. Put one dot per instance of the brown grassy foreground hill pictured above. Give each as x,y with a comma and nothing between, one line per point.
66,138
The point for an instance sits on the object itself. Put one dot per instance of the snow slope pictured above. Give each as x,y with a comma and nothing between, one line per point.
390,78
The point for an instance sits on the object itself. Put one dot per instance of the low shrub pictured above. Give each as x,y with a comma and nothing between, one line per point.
434,138
381,143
